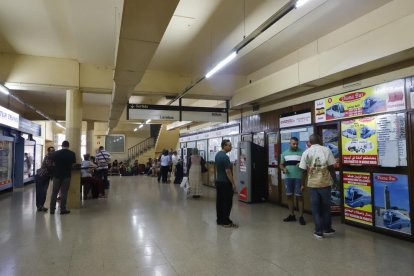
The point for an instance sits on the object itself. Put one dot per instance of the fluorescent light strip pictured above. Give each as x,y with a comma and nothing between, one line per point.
300,3
221,64
148,121
4,89
59,125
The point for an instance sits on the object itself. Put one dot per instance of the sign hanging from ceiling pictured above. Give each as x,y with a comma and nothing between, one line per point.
176,113
9,118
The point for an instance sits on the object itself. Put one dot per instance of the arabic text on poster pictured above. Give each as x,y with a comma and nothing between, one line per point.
357,197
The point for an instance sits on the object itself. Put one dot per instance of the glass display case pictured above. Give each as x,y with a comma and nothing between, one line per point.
28,163
6,162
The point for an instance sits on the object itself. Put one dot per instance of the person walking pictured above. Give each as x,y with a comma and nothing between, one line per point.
165,164
225,186
63,160
319,162
103,159
289,165
42,180
194,176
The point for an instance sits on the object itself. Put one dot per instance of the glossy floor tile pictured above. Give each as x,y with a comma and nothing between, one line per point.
146,228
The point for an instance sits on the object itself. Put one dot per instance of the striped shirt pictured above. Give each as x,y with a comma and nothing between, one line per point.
290,159
103,158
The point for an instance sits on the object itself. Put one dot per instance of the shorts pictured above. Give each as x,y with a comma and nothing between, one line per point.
293,185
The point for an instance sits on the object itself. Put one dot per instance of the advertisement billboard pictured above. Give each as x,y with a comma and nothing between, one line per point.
357,197
392,203
359,141
386,97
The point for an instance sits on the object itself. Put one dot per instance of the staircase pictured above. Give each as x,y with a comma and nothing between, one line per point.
135,151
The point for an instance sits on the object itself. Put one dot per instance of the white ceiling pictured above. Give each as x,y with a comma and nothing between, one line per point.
199,34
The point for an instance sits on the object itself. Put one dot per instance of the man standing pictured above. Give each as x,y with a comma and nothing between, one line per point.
63,159
103,158
224,186
289,165
318,161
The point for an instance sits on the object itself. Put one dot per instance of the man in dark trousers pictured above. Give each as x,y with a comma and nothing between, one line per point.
224,186
63,159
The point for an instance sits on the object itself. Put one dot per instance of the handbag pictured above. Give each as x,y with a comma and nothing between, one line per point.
42,173
203,166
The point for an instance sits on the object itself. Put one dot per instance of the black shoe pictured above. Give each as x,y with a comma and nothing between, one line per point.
42,209
52,212
329,232
290,218
318,235
64,212
302,221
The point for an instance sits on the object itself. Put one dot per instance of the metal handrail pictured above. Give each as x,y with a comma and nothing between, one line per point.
138,149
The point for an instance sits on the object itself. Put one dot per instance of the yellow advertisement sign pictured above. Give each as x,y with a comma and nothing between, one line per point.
380,98
359,141
357,197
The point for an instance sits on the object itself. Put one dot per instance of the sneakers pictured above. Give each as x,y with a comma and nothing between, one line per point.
318,235
290,218
64,212
329,232
52,212
302,221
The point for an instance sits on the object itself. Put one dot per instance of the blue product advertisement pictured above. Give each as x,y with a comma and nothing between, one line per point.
392,203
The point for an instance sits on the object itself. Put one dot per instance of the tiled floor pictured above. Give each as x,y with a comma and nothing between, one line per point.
146,228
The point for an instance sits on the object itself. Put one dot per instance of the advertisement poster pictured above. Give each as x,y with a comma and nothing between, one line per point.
336,196
301,133
386,97
273,151
359,141
357,197
392,204
387,140
330,140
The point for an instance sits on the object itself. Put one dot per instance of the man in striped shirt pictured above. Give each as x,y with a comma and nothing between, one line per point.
289,165
103,159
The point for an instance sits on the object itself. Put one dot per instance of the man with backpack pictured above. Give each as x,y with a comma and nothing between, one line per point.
103,159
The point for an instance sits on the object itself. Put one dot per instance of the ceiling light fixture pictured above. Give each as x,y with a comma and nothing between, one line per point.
59,125
4,89
300,3
140,126
221,64
135,129
148,121
288,7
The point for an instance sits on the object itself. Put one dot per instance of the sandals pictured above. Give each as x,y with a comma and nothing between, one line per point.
231,225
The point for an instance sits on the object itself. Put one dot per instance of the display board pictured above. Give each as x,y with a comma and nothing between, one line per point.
359,141
330,140
302,134
115,143
272,142
378,140
357,197
386,97
214,146
6,162
392,203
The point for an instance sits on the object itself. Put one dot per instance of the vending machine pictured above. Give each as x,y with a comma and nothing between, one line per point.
252,182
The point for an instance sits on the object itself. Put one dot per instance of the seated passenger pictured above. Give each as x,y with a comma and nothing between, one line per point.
89,182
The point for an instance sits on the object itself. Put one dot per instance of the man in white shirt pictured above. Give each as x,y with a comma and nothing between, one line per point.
174,160
318,161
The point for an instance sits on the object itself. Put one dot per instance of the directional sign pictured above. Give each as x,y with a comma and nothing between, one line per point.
176,113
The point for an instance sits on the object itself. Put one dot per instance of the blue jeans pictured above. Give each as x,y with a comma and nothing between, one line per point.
321,208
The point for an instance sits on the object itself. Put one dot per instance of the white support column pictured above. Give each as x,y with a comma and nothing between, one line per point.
73,135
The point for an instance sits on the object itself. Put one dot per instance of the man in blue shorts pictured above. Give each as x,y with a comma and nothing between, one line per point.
289,165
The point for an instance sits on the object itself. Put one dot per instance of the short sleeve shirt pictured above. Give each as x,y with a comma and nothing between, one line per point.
291,159
222,163
316,161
